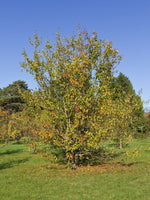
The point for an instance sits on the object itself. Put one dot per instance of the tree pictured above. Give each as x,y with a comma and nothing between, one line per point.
74,96
147,117
11,102
16,126
123,85
10,97
4,120
123,89
123,120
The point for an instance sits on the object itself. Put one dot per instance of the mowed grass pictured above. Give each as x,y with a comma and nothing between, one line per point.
24,176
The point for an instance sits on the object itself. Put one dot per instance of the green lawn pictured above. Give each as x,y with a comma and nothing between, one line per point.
24,175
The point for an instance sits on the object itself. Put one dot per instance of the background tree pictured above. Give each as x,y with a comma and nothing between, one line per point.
122,86
11,103
4,121
123,120
147,117
10,97
123,89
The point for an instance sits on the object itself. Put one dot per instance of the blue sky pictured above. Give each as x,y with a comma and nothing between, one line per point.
124,22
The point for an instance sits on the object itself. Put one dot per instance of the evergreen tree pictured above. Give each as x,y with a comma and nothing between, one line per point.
122,86
10,98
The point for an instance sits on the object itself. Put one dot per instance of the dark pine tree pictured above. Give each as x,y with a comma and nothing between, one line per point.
10,98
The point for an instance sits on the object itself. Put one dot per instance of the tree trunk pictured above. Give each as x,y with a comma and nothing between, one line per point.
74,160
34,149
121,145
17,139
7,142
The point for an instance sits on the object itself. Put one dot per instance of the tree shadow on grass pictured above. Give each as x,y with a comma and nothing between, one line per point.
99,157
127,164
7,152
12,163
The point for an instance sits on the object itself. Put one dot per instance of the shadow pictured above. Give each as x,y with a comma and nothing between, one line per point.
11,151
128,164
113,165
12,163
99,157
18,142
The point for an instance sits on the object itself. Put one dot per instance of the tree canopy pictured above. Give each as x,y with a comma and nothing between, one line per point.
122,86
10,97
75,105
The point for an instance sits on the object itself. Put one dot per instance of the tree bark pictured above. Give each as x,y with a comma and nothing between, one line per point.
121,145
74,160
7,142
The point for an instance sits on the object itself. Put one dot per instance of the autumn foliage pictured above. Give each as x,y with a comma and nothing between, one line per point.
74,106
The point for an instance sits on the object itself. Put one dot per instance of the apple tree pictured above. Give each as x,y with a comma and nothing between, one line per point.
74,95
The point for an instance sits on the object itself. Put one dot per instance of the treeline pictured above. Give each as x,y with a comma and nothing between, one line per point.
80,103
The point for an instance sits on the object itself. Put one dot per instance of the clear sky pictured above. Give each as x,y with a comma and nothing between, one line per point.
124,22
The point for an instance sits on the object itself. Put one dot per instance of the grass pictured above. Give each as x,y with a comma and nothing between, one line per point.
24,176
